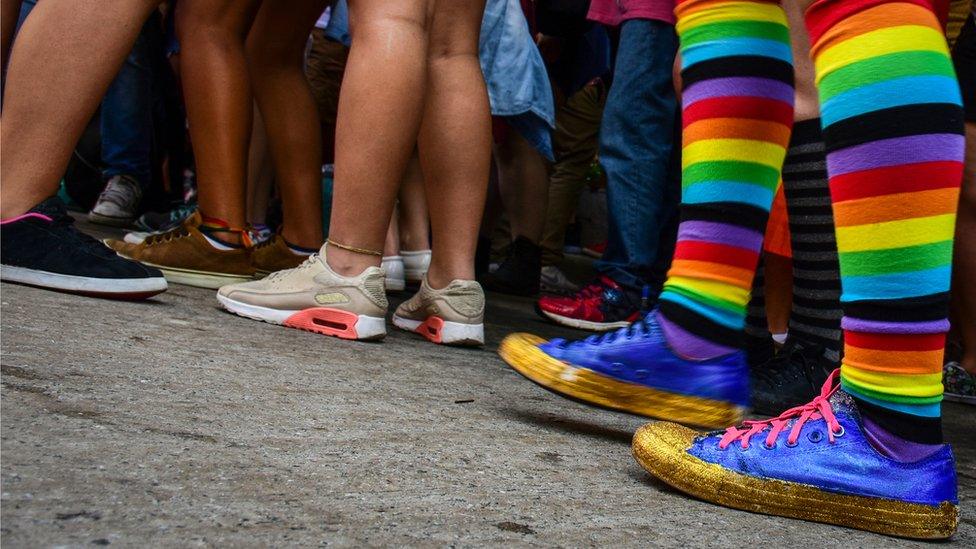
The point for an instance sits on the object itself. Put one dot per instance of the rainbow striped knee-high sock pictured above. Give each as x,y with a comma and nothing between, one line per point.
737,111
893,127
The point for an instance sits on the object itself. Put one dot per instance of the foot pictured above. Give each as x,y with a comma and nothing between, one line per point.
453,315
820,462
315,298
42,248
415,265
519,273
595,250
600,306
960,385
118,205
634,370
791,378
393,267
554,281
274,254
186,256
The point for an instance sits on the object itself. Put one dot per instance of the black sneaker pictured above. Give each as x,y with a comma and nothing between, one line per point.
791,378
519,272
158,222
42,248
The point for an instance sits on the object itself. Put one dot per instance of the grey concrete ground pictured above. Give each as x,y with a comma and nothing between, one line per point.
173,423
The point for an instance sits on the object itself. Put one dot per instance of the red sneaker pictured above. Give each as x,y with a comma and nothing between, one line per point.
595,250
601,305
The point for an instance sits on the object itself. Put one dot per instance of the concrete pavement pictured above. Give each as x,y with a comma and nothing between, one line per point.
172,423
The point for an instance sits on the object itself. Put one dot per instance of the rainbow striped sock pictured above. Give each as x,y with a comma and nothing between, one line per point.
737,111
892,119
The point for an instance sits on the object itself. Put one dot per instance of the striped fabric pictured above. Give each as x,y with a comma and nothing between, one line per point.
892,125
816,313
737,111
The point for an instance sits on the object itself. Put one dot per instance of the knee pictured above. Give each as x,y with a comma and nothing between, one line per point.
388,26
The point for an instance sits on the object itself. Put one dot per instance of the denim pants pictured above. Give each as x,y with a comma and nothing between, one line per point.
640,153
127,111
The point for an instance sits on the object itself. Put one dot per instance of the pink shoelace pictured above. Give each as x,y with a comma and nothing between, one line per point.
817,408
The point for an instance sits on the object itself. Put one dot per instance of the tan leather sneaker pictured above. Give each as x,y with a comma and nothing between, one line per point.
453,315
313,297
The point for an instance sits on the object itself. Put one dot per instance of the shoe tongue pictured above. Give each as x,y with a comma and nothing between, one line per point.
52,207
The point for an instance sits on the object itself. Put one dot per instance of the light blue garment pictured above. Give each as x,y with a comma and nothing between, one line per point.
518,85
338,28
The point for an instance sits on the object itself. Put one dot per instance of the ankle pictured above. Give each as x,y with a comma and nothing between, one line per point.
349,264
688,345
439,276
301,240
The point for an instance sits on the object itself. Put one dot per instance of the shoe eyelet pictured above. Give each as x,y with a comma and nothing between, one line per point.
815,436
840,433
793,445
616,367
641,374
768,447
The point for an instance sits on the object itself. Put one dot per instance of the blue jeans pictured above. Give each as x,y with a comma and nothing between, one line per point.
640,153
127,112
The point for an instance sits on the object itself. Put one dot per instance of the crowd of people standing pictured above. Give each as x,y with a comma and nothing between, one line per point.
790,195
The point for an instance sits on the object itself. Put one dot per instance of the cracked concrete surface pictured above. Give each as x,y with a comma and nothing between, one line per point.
173,423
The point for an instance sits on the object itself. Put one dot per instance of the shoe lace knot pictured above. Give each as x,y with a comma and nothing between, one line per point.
818,408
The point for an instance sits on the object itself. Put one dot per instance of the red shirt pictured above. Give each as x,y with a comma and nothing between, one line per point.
614,12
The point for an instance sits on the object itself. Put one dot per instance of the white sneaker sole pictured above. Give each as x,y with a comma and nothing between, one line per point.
584,324
118,288
443,331
199,279
363,328
953,397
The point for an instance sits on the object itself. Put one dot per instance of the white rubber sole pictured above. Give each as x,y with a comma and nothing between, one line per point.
952,397
110,220
584,324
134,237
451,333
123,288
367,327
199,279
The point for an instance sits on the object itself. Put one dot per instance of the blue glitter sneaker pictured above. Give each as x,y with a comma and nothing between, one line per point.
634,370
820,462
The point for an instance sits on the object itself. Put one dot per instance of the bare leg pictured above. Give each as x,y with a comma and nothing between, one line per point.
217,91
391,246
778,272
67,54
275,49
524,185
260,174
379,115
455,139
414,223
963,292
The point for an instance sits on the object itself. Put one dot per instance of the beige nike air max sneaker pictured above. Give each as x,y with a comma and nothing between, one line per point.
315,298
453,315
